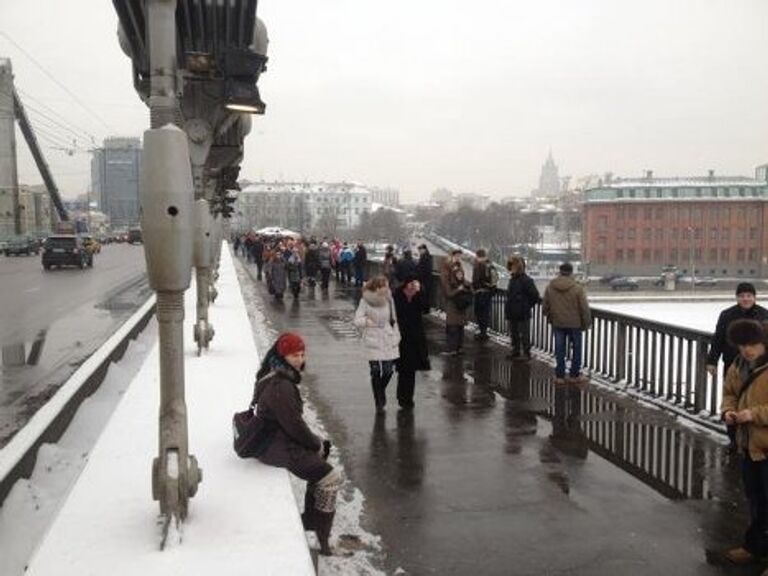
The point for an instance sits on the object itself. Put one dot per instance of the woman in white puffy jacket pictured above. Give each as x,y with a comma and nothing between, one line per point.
377,318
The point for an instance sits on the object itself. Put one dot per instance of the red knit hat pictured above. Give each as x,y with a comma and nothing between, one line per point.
289,343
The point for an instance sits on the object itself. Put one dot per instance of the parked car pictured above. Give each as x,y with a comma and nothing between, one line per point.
704,281
608,278
662,279
65,250
624,283
22,245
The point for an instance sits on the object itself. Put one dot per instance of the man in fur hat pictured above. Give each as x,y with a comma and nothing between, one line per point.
745,406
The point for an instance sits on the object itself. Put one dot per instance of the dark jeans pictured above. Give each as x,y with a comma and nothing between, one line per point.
563,337
520,333
359,275
755,477
325,275
455,337
483,310
406,383
259,267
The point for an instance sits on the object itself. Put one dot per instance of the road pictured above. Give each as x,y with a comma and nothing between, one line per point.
50,322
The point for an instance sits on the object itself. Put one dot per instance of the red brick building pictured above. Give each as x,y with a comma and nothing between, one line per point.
717,225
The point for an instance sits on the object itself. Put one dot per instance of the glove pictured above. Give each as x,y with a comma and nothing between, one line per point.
326,449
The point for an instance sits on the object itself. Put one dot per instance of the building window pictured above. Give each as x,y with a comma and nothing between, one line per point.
646,255
631,212
602,222
752,255
619,255
713,254
621,212
646,234
658,256
725,234
673,255
724,253
675,233
740,255
697,233
713,233
631,255
753,233
631,234
648,213
697,253
620,234
659,234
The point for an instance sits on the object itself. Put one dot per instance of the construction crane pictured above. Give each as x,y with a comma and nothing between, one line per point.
37,154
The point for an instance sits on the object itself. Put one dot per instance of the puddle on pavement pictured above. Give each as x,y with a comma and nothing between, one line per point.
651,445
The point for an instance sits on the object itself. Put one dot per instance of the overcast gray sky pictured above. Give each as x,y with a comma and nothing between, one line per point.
420,94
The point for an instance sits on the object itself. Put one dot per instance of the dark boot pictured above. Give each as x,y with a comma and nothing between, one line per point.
379,394
323,524
308,517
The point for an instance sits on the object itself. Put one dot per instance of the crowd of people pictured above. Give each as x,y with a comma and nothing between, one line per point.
390,318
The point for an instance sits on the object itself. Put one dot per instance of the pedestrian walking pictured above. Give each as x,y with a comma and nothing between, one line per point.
326,263
746,308
346,256
424,270
565,306
277,273
258,255
293,271
390,262
745,406
414,354
359,263
312,262
522,296
293,445
377,319
484,280
458,298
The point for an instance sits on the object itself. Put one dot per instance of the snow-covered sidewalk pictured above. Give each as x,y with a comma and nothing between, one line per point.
244,518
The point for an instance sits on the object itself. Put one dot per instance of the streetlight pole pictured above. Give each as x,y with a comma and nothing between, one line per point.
690,258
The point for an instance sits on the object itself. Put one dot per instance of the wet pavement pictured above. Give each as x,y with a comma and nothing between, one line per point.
34,367
500,471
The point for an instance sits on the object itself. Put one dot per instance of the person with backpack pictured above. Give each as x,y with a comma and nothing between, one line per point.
346,256
522,296
458,298
484,280
292,444
377,318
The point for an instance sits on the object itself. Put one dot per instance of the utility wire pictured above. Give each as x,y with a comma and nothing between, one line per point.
72,126
59,84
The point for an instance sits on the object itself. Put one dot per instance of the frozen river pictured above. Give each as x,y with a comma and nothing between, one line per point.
696,315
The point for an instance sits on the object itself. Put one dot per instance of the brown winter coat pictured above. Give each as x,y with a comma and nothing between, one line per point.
565,304
293,445
452,284
752,436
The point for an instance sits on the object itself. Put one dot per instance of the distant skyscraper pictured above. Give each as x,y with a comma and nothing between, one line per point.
549,181
115,180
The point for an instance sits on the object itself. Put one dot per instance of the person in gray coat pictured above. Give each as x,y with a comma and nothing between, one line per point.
292,444
377,318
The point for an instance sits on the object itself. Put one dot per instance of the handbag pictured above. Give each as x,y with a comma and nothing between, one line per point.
462,299
252,433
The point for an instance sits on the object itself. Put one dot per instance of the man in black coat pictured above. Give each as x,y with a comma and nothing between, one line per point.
414,354
425,275
522,296
745,308
359,262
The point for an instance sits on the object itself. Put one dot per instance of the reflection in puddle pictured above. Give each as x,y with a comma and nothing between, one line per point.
646,443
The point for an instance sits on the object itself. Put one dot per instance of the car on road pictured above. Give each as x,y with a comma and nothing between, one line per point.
65,250
624,283
608,278
134,236
704,281
22,245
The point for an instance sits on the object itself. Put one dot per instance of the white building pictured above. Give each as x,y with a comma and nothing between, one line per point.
301,206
